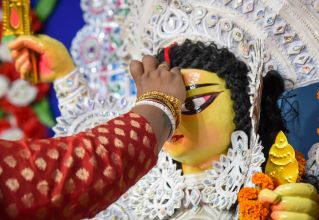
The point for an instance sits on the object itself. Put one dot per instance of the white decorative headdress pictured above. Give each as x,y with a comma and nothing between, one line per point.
290,47
266,35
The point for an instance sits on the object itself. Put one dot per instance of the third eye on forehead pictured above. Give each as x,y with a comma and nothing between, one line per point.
195,86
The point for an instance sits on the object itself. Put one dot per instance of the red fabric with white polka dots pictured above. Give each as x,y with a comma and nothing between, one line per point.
74,177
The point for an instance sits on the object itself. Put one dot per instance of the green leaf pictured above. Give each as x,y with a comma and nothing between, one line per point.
44,8
42,109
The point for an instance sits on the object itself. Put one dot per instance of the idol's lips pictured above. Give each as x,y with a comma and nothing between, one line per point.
176,138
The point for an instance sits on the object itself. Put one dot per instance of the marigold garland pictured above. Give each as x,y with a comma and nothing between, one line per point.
301,165
248,193
263,180
249,206
252,210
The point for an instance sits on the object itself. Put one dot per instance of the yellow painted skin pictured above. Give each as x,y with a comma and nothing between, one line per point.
202,137
294,201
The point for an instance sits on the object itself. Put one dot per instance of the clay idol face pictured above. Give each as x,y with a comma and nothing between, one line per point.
207,119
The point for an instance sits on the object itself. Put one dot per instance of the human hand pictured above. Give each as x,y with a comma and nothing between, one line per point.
54,60
294,201
151,76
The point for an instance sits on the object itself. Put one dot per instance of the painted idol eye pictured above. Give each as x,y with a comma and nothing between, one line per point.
196,104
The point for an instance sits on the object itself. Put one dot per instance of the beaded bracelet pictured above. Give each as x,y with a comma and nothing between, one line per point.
171,102
162,107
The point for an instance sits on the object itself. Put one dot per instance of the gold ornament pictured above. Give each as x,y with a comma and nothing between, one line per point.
16,22
282,164
171,102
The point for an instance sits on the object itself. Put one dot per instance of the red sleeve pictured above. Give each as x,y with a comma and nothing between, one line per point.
74,177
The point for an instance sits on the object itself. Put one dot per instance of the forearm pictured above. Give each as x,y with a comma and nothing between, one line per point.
158,120
75,177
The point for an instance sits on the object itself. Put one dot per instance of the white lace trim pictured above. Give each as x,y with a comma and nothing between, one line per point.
164,192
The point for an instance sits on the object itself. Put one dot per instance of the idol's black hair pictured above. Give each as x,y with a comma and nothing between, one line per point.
208,56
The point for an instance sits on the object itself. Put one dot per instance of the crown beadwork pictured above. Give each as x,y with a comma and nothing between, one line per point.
263,34
287,29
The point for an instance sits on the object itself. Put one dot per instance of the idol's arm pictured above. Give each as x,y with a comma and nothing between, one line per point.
70,89
74,177
55,65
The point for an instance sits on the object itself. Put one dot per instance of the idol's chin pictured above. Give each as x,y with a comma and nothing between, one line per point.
175,150
187,154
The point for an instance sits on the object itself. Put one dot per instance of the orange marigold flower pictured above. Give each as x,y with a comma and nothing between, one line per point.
301,164
263,180
252,210
248,193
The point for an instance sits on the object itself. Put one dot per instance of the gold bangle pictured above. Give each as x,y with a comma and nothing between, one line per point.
171,102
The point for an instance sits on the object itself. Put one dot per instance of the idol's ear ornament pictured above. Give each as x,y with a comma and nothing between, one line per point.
17,22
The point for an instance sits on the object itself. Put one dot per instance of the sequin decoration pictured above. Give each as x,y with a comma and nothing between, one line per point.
295,49
288,38
260,14
211,19
238,3
280,29
301,59
244,48
100,11
89,48
270,20
248,7
238,34
307,68
226,25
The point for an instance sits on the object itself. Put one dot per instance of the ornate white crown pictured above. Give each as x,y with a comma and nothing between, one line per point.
287,28
266,34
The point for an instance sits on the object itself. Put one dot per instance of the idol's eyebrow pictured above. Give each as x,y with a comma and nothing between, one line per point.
195,86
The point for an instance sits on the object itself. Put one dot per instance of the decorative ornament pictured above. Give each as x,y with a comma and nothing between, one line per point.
98,12
20,102
280,29
282,164
238,34
226,25
16,22
98,45
301,59
89,113
260,14
21,93
270,20
211,20
164,190
248,6
89,48
238,3
289,38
